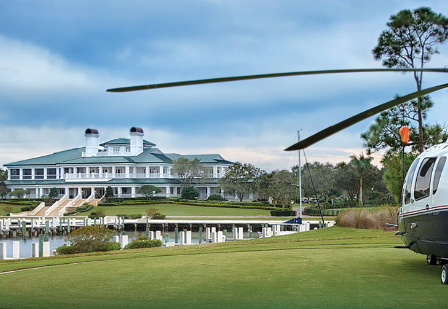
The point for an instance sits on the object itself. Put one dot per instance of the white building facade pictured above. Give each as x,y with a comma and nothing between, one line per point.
125,164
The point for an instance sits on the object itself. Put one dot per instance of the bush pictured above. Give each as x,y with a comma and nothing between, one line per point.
88,239
84,208
158,215
368,219
216,197
143,242
133,216
190,193
283,213
97,214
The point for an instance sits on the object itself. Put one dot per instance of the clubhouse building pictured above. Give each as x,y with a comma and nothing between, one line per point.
125,164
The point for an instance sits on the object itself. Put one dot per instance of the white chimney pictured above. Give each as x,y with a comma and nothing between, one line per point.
136,141
91,142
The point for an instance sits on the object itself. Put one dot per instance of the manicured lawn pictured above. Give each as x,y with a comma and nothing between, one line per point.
328,268
15,208
181,210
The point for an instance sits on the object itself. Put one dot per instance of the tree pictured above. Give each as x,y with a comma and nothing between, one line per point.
88,239
362,167
149,190
189,193
109,193
323,179
3,175
409,42
3,189
187,170
384,132
393,165
19,193
282,188
240,179
53,194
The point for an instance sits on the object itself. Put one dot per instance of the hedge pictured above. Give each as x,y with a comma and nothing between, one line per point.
222,204
283,213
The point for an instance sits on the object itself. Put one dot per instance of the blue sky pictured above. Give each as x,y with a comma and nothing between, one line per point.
57,58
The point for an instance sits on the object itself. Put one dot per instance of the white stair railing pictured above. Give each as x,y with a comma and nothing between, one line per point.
38,208
55,205
72,202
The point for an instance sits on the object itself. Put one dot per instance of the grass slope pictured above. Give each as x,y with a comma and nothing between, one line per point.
333,267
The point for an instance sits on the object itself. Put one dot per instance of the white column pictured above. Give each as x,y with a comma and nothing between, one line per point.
119,191
168,192
45,173
215,171
100,172
147,171
32,173
57,173
21,173
208,192
113,171
161,171
126,171
133,191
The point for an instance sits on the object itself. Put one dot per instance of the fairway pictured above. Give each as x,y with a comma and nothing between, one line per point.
333,267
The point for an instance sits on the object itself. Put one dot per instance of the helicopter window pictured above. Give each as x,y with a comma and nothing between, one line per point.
437,174
423,178
407,193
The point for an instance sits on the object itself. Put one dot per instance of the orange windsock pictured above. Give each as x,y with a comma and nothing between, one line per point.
404,133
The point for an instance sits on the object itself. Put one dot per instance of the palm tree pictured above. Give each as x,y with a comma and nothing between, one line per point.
362,167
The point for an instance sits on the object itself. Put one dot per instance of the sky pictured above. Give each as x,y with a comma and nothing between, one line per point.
57,58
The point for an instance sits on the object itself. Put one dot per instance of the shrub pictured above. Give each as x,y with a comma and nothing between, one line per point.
150,212
190,193
283,213
158,215
143,242
84,208
7,210
368,219
97,214
216,197
88,239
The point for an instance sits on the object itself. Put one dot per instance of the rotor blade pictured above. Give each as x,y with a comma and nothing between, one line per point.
361,116
236,78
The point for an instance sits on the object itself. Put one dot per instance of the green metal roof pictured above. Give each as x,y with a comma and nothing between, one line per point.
204,158
125,141
52,159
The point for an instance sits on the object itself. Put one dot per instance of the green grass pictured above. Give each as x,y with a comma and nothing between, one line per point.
180,210
15,208
332,268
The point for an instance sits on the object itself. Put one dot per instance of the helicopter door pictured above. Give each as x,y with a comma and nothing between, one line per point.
421,225
439,199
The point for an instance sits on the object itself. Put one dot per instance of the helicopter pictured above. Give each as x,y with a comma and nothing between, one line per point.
423,212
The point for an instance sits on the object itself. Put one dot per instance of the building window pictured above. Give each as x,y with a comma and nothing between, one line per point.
39,173
14,173
51,173
27,173
128,149
116,150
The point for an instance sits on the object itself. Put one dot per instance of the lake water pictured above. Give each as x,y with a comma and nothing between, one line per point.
56,241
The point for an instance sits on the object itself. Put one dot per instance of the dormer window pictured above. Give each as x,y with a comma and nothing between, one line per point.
128,149
116,150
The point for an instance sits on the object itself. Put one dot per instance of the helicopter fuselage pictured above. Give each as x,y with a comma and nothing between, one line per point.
423,215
